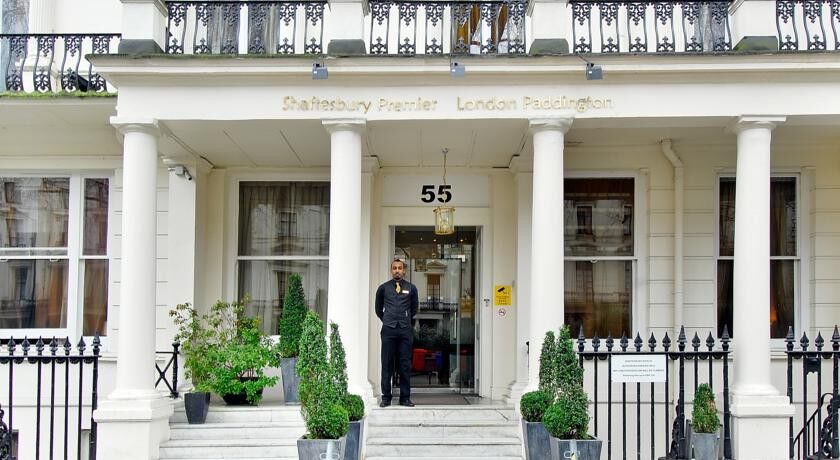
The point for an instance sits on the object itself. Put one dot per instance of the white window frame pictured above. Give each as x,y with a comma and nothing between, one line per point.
75,275
639,259
801,319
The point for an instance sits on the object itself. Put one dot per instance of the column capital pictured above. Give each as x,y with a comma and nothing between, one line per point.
136,124
554,124
521,164
344,124
745,122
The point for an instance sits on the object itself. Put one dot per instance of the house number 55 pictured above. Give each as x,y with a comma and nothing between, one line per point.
444,193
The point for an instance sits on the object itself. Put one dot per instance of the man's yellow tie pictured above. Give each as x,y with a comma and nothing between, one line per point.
398,288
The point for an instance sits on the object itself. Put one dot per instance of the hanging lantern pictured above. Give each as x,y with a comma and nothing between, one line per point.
444,215
444,220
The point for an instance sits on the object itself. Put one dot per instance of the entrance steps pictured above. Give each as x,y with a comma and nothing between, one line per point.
244,432
489,432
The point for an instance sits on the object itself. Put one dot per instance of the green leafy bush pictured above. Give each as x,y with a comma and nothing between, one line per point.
239,353
548,367
195,339
704,416
568,416
355,407
291,321
319,394
533,405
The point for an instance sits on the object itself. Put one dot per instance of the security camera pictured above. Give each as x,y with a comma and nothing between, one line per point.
181,171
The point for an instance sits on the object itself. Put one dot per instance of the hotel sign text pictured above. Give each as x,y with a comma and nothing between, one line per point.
461,104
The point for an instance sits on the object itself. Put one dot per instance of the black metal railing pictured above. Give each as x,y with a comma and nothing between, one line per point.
817,436
253,27
400,27
59,417
651,26
807,19
171,367
700,357
45,63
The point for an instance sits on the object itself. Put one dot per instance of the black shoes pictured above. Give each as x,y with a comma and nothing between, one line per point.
407,403
384,403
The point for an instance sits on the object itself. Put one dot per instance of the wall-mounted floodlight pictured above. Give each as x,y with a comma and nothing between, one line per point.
457,70
594,72
319,71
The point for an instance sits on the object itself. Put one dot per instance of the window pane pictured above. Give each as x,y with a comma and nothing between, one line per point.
598,295
781,296
266,283
33,294
96,217
95,306
33,211
783,216
284,218
726,217
598,217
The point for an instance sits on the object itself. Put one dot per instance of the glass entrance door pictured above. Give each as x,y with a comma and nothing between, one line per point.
444,270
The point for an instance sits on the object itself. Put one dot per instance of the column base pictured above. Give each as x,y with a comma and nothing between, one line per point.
132,428
760,426
363,390
516,391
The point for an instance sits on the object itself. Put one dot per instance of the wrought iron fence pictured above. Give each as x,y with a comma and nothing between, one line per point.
406,27
68,378
816,436
807,19
238,27
45,63
171,367
669,370
650,26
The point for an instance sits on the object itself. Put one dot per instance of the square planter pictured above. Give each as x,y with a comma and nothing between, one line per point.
705,446
536,439
355,436
291,381
321,449
589,449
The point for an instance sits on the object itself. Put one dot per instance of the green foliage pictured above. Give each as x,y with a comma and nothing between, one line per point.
533,405
567,365
240,352
318,390
568,417
291,321
548,379
338,361
704,416
195,339
355,407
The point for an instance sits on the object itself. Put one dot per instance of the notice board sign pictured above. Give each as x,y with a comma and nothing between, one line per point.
502,295
632,368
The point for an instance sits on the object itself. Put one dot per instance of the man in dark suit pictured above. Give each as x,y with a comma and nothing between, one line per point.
396,305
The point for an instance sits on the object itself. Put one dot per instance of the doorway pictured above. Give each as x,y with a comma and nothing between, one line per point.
444,268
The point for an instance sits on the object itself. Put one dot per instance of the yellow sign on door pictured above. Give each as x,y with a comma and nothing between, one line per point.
502,294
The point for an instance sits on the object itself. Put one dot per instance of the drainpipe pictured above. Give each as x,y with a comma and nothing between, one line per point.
679,194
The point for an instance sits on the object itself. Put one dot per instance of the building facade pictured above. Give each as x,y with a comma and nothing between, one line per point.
156,153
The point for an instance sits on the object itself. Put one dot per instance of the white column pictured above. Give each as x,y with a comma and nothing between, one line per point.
41,17
143,26
760,413
134,418
345,236
546,236
522,168
370,167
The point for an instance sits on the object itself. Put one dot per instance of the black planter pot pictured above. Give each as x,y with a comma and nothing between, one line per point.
353,447
589,449
291,381
241,398
196,406
536,441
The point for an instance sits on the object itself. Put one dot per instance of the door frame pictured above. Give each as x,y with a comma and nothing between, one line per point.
480,218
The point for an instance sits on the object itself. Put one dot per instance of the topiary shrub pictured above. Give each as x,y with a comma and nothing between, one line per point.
291,321
533,405
568,417
704,417
355,407
548,368
319,395
329,421
338,361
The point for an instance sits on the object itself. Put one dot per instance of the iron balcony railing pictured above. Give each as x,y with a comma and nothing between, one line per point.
50,63
801,25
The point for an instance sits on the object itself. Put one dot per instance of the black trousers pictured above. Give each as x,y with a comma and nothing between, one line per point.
396,346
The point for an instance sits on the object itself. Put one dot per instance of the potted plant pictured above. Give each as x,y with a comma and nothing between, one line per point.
326,418
567,419
289,328
240,355
195,339
533,405
353,404
705,423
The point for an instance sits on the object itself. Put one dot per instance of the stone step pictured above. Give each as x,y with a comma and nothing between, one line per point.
241,430
229,414
442,429
461,414
485,457
234,448
448,447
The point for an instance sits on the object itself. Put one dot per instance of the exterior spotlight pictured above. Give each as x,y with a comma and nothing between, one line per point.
181,171
457,70
594,72
319,71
